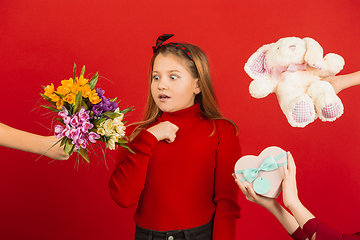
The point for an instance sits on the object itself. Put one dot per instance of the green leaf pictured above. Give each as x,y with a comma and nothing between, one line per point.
84,153
127,110
78,102
63,141
111,115
74,70
48,99
50,108
94,80
69,147
60,120
83,70
97,122
122,140
126,147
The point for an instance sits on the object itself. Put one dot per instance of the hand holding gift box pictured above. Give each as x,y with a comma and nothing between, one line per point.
263,173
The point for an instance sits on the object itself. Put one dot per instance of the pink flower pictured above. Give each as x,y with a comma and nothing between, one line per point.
93,136
59,131
74,121
63,113
86,126
83,115
67,120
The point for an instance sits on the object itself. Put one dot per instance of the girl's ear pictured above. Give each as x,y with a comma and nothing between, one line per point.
197,89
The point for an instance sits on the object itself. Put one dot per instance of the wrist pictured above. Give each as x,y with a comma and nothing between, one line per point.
294,204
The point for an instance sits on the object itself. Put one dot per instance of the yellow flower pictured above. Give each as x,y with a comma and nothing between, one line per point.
70,98
86,90
81,80
74,88
63,90
67,83
94,98
54,97
59,104
49,90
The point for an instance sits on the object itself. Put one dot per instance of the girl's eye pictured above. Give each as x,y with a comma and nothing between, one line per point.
173,77
155,78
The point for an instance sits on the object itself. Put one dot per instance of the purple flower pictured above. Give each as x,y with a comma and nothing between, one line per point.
98,109
114,105
100,92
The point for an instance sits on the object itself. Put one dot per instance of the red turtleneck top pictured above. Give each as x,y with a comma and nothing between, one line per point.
183,184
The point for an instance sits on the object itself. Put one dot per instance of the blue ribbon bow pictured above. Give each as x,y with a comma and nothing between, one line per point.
268,164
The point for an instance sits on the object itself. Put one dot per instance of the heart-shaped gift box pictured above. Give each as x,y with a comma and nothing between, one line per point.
264,173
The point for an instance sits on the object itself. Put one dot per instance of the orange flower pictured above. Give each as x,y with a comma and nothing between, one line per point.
86,90
63,90
59,104
81,80
49,90
54,97
67,83
70,98
94,98
74,88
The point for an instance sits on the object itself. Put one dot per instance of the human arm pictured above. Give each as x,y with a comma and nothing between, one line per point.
341,82
225,191
284,217
29,142
290,193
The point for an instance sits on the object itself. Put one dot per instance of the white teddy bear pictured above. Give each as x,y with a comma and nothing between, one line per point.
292,68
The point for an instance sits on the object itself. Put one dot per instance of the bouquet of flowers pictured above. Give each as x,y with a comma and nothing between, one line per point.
86,115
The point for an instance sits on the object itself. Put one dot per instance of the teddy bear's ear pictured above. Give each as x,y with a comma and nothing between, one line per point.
256,66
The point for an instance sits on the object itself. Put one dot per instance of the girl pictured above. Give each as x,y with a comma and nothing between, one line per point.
184,150
302,224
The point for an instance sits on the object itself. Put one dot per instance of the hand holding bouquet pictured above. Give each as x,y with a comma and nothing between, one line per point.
86,115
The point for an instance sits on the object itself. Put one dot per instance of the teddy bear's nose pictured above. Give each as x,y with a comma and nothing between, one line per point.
292,47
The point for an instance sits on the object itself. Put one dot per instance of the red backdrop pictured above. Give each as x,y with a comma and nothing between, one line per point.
40,40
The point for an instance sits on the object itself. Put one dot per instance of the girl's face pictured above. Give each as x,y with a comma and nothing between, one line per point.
172,87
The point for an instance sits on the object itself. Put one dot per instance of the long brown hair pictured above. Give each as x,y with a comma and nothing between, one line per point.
199,69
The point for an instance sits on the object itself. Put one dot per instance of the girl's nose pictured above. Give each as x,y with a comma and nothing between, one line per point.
162,85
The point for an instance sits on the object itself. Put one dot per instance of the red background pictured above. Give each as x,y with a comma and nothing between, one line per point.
40,40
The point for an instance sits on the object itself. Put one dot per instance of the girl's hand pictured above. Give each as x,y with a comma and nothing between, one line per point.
290,193
251,196
55,152
164,131
335,81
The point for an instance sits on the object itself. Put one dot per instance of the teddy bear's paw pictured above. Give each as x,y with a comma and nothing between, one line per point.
302,113
318,63
330,111
334,62
329,107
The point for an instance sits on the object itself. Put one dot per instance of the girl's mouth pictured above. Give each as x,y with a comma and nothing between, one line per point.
163,97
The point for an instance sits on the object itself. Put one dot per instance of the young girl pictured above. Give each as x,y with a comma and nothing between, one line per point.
302,224
185,151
